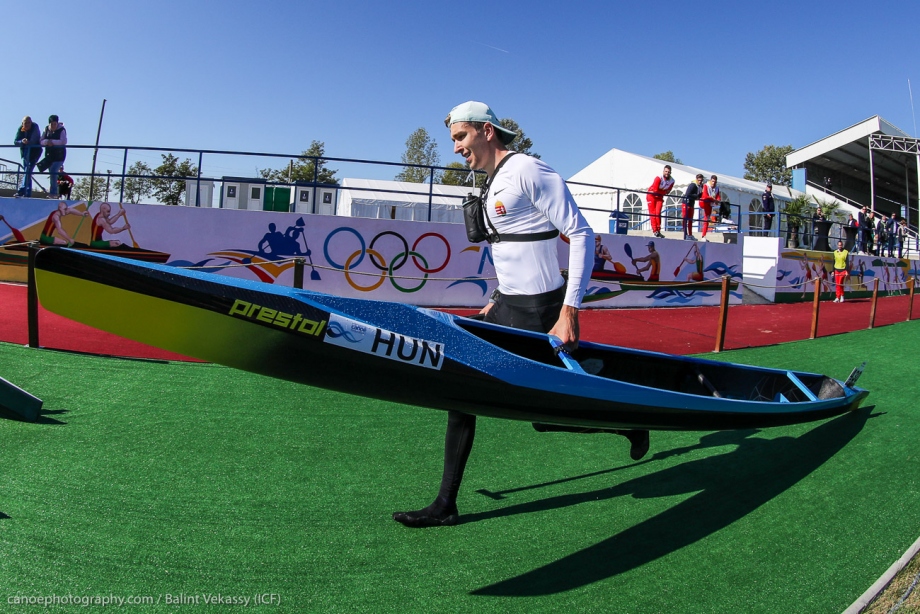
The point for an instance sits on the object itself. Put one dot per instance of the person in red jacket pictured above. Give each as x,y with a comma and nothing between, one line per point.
711,195
65,184
660,188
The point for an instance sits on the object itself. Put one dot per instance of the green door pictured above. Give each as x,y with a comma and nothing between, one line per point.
277,199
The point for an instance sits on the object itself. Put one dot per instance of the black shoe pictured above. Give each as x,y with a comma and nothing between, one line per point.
639,441
424,518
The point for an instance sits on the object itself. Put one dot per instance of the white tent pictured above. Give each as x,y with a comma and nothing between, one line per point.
400,200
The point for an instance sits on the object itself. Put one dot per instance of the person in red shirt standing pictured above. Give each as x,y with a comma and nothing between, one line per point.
660,188
65,184
711,195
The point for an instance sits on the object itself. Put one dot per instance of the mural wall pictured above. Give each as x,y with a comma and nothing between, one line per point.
414,262
796,271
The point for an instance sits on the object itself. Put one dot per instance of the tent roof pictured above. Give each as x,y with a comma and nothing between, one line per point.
843,158
846,142
402,191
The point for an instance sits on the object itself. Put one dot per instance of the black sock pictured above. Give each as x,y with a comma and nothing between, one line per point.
458,442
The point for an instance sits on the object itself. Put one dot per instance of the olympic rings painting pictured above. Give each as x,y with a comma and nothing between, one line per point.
388,252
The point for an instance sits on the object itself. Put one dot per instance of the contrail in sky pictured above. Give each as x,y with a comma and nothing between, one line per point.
491,47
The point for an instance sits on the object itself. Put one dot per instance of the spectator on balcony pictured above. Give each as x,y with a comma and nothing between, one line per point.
54,139
711,195
690,196
891,232
817,217
65,184
902,236
28,138
660,188
880,238
769,208
864,233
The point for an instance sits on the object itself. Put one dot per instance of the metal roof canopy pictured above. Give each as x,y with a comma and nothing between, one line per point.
873,163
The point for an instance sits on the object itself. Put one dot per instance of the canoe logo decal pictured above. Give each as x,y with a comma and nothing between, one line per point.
347,333
353,334
295,322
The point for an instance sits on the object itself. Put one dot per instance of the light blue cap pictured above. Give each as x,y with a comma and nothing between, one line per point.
473,111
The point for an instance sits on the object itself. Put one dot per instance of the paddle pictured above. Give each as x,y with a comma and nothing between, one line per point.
314,274
16,234
563,354
628,249
677,270
130,234
77,231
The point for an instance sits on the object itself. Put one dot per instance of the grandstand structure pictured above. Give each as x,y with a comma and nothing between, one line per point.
872,163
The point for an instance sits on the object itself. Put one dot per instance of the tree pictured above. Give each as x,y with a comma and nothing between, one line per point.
136,188
302,168
170,188
420,149
459,176
81,186
667,156
521,142
769,164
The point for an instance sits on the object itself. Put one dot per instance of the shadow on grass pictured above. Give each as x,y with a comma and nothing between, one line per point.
43,416
3,516
712,440
729,486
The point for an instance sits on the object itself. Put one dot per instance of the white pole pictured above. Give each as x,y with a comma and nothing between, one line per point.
871,179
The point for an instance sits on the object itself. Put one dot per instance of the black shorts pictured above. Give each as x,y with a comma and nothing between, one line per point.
533,312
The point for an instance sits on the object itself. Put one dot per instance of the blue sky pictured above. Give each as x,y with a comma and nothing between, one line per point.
709,80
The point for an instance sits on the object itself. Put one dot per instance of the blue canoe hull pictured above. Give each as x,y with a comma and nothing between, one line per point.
423,357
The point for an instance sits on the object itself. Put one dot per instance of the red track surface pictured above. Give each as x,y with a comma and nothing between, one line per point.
685,330
60,333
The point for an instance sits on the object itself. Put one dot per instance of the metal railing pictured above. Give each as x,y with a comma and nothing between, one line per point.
742,222
835,195
7,175
199,177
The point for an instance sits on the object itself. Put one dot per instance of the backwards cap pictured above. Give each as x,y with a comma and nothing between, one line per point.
473,111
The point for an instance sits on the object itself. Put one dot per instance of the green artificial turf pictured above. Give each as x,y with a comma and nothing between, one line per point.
181,481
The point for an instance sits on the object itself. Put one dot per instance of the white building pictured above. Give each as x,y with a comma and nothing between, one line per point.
400,200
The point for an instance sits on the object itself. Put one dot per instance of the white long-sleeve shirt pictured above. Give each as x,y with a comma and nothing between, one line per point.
526,197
